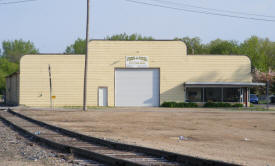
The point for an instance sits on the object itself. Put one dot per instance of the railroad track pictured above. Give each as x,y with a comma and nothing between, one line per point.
96,150
73,160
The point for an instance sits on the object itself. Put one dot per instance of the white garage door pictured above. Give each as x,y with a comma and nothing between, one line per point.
137,87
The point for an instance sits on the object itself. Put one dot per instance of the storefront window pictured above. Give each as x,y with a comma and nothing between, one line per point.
213,94
231,94
194,95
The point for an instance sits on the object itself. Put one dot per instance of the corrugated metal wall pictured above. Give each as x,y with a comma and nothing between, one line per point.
12,89
67,80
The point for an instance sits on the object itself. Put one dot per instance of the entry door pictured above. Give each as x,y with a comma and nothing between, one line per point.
137,87
102,96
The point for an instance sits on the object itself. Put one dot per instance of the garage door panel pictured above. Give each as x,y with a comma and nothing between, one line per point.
137,87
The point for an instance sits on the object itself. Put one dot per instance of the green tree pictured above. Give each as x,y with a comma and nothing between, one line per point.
6,68
79,47
251,48
194,45
261,52
223,47
132,37
14,50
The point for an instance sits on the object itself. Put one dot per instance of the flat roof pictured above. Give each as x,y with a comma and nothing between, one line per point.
223,84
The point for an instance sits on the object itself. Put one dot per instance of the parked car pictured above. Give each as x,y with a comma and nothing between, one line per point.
254,99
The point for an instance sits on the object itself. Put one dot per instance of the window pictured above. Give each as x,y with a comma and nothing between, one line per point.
213,94
194,94
231,94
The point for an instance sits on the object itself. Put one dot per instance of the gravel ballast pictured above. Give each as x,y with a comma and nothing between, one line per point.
16,150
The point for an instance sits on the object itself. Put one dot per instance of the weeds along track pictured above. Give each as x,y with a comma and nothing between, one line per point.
96,150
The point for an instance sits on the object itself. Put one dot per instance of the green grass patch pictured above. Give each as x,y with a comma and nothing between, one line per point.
89,107
262,101
255,109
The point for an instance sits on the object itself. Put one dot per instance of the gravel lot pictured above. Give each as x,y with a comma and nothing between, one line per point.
16,150
242,137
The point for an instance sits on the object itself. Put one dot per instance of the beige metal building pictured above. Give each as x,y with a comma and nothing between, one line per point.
134,73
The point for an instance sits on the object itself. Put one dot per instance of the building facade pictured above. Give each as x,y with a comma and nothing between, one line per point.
12,89
134,73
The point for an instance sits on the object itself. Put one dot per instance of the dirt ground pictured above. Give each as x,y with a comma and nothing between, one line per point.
242,137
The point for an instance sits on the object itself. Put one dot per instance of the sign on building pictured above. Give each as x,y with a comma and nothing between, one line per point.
137,61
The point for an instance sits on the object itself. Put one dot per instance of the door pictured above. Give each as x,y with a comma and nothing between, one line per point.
102,96
137,87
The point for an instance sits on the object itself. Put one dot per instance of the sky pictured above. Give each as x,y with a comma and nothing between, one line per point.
52,25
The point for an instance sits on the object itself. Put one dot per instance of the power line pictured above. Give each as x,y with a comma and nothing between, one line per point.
16,2
218,10
201,12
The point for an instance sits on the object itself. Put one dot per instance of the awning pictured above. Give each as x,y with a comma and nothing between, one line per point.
223,84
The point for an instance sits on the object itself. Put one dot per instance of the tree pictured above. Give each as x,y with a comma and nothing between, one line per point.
261,52
194,45
14,50
6,68
251,48
131,37
223,47
79,47
267,77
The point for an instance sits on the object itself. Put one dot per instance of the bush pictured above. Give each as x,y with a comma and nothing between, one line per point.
194,105
181,105
237,105
178,105
220,104
169,104
191,105
210,104
223,105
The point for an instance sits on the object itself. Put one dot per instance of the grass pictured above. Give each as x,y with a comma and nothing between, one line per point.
252,108
255,108
241,108
89,107
262,101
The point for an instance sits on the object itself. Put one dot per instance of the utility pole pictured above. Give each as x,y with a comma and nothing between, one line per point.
50,79
86,58
267,89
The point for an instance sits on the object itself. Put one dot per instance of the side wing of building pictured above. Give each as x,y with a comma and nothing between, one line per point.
67,80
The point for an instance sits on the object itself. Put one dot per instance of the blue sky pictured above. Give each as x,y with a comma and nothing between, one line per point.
54,24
